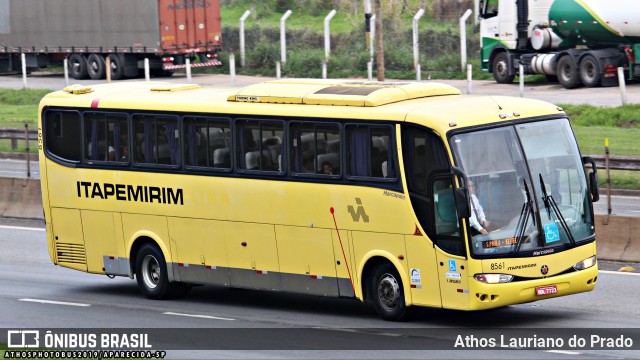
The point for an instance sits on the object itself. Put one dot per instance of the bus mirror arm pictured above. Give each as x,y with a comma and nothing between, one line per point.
461,194
593,178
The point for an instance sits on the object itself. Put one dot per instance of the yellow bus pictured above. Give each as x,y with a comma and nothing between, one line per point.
399,194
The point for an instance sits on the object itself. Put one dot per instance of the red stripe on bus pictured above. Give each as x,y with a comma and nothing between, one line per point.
94,103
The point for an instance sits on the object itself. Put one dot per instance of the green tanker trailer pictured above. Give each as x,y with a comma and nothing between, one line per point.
576,42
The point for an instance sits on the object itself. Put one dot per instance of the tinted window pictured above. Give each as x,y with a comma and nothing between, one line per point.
62,134
156,139
315,148
207,142
260,145
106,137
370,151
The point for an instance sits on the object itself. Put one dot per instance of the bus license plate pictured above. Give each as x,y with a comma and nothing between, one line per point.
546,290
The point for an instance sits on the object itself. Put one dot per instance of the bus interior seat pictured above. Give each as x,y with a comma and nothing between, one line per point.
504,199
333,146
253,159
221,158
331,158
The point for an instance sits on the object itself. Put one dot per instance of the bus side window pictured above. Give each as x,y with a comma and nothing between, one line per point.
156,139
315,148
371,151
259,145
63,134
207,142
106,137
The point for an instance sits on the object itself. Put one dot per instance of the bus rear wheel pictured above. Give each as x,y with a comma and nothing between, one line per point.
387,293
152,275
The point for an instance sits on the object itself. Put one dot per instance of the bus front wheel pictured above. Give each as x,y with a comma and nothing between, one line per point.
152,275
387,293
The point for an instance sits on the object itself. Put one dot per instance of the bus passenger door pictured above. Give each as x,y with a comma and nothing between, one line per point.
307,262
450,247
253,255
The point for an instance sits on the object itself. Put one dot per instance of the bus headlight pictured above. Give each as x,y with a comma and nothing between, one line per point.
585,264
493,278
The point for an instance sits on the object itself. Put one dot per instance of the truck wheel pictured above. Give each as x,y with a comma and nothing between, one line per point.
590,71
152,276
567,72
78,66
117,66
96,66
387,293
501,70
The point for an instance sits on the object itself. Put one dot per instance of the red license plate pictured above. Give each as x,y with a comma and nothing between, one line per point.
546,290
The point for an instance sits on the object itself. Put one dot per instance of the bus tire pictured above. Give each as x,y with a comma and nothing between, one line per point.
590,71
501,71
387,293
78,66
567,72
152,275
96,66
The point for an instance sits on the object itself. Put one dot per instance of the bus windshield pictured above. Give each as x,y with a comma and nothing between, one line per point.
527,188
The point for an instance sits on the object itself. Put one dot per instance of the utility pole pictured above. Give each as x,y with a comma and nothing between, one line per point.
379,47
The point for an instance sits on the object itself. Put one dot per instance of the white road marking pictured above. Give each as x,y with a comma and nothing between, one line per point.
564,352
21,228
618,272
199,316
54,302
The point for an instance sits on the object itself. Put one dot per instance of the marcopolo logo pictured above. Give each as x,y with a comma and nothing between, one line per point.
360,213
23,338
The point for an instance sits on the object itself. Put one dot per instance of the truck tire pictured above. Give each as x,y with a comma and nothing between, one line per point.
590,71
501,71
117,66
567,72
78,66
96,66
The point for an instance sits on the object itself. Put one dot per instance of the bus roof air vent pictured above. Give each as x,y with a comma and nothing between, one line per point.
347,93
77,89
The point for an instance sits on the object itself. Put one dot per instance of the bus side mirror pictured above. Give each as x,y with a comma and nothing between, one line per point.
462,203
594,187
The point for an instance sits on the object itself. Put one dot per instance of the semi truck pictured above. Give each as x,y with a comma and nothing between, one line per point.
576,42
88,32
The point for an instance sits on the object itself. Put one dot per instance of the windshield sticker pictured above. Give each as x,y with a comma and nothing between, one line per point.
452,265
551,232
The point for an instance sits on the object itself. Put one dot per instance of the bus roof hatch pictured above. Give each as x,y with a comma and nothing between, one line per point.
346,93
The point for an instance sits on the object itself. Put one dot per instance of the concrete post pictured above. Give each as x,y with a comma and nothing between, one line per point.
188,63
232,68
463,39
242,19
66,72
623,86
327,37
416,54
23,57
147,72
283,37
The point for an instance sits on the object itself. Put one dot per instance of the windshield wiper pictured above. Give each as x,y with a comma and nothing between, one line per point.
527,208
550,204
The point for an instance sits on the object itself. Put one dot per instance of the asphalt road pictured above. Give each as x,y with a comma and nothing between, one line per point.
555,93
36,294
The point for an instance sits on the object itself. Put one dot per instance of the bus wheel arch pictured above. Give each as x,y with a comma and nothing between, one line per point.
384,287
152,272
